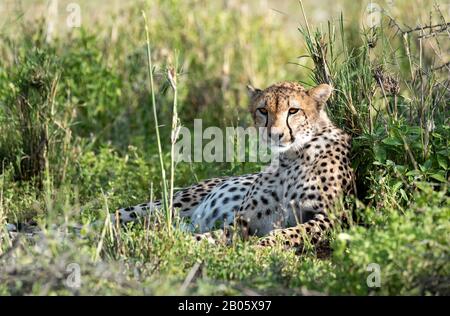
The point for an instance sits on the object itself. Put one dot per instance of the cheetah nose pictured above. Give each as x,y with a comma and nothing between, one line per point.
280,135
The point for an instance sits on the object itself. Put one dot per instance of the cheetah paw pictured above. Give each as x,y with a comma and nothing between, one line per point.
206,236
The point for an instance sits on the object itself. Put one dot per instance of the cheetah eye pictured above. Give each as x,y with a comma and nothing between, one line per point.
293,110
263,111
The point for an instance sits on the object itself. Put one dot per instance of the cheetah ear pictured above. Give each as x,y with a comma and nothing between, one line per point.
321,93
252,92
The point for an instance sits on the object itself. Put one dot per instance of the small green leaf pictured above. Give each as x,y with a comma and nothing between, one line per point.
442,161
439,177
380,153
426,166
396,186
424,186
392,141
414,173
403,194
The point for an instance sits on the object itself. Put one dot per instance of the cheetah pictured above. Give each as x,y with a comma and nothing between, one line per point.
288,204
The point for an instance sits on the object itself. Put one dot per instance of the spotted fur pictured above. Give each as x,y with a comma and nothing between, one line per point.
290,203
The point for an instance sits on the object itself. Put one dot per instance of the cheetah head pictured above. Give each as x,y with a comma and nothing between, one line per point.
290,113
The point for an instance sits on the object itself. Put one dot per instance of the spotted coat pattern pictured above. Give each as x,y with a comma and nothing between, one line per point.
288,203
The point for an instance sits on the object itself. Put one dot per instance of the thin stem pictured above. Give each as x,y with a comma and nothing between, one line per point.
155,116
304,17
172,75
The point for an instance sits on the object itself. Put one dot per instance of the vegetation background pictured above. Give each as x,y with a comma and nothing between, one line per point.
78,140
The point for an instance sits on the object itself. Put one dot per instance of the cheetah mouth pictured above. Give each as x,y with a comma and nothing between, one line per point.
278,146
287,144
281,147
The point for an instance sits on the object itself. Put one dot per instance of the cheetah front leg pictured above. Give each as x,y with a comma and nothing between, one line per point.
227,234
311,231
220,236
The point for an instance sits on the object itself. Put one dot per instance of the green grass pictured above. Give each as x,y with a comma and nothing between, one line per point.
78,139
